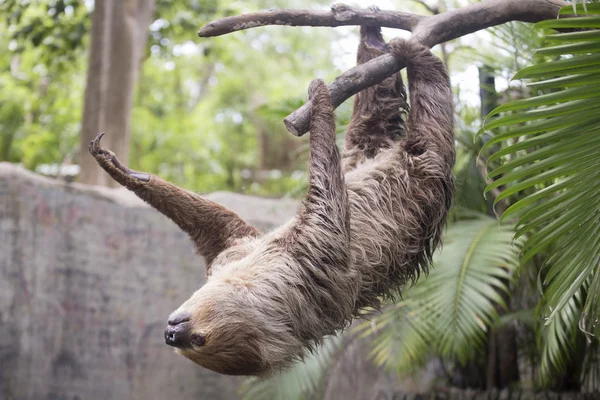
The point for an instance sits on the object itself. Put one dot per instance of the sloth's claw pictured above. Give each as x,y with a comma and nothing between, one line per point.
110,162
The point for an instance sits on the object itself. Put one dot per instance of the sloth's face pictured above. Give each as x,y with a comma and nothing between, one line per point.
215,328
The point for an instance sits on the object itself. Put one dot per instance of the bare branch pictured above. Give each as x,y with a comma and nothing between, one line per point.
430,31
344,86
474,17
339,15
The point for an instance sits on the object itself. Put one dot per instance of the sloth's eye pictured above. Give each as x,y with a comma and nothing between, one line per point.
198,340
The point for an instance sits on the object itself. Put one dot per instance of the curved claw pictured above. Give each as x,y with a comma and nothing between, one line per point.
100,153
94,146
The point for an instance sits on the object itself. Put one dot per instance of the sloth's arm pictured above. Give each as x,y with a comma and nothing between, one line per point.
322,229
211,226
431,110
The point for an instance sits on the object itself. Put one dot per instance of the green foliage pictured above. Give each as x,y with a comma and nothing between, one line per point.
196,119
199,117
549,158
469,180
449,313
558,339
303,379
39,106
55,30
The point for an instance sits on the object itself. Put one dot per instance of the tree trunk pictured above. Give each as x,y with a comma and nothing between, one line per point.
502,358
487,90
118,40
503,361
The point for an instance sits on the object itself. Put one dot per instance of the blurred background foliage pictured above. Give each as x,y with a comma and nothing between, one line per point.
199,116
208,116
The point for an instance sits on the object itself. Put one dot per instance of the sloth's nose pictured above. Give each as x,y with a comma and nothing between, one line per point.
177,333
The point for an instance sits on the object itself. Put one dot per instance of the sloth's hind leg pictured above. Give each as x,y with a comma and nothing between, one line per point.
378,116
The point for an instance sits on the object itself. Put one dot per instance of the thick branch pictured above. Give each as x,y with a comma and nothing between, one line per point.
345,86
430,31
474,17
339,15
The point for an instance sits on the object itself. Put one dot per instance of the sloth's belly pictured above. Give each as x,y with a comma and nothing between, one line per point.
385,238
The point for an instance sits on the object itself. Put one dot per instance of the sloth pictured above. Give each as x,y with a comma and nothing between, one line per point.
369,224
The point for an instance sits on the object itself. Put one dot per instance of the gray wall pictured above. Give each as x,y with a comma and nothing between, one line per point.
88,277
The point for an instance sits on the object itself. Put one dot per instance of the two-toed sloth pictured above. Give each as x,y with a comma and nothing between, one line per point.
368,224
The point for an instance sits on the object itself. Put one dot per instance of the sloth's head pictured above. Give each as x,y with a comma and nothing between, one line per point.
219,329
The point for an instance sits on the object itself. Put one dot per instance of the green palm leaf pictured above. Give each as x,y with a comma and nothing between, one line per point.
400,337
551,162
560,333
462,294
450,312
302,380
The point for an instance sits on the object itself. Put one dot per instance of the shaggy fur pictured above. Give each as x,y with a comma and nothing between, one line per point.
369,224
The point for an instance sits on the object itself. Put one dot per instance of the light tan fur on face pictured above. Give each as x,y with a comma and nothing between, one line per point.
368,224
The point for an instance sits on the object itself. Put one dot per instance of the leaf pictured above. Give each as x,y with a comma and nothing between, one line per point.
552,111
571,48
449,312
400,337
577,93
593,8
551,68
570,23
558,337
566,81
575,36
554,169
302,380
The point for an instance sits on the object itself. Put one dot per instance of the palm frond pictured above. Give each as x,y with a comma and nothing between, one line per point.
558,337
471,273
448,313
400,338
550,161
301,381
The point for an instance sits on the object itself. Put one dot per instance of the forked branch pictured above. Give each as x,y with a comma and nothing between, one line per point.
428,30
339,15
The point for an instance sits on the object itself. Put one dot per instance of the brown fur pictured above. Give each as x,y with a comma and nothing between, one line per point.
378,110
368,225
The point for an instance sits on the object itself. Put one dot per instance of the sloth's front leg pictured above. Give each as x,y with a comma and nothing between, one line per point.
319,240
322,228
211,226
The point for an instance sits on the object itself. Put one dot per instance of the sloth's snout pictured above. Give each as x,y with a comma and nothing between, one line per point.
179,317
177,333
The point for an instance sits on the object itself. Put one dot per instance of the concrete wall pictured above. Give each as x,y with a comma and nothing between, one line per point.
88,277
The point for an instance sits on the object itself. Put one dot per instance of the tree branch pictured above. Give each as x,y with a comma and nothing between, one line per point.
339,15
430,31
